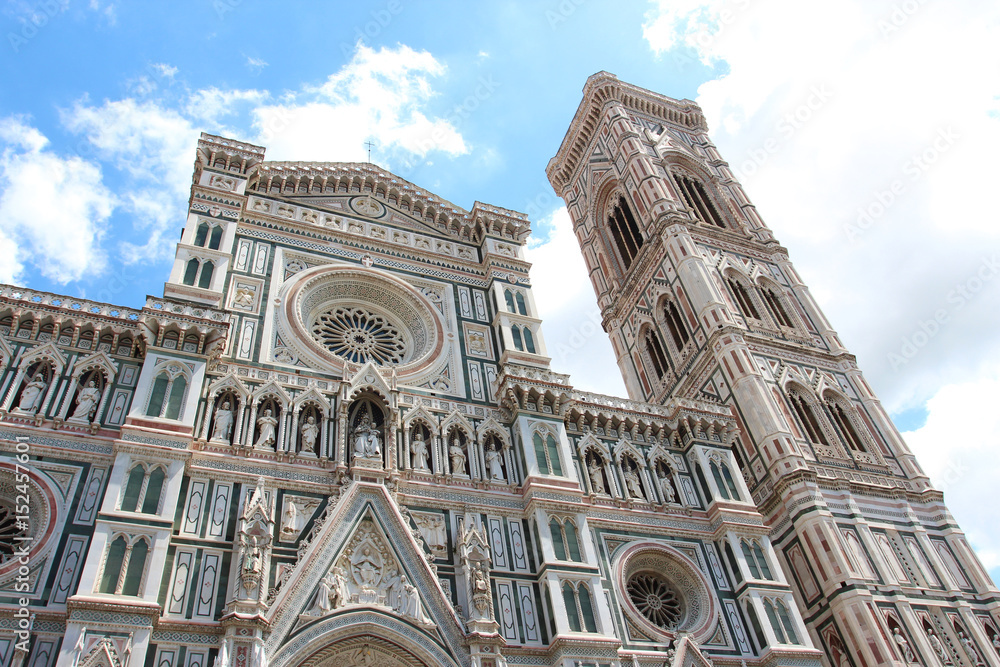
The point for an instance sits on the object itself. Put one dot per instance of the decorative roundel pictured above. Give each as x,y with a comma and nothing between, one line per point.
31,529
335,316
663,592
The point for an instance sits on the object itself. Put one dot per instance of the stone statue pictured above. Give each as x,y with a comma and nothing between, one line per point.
457,456
667,487
321,605
632,482
596,476
266,425
410,606
31,397
996,643
493,464
418,451
223,422
367,443
310,431
86,402
393,590
970,648
367,568
80,645
290,520
338,589
254,560
904,646
938,647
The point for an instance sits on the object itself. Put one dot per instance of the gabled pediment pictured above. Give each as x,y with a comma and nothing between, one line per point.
364,564
688,655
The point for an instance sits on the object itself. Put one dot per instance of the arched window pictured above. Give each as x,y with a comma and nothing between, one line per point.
207,269
846,427
515,333
547,454
777,614
727,475
519,298
113,565
625,231
656,356
776,306
743,299
201,235
565,541
216,240
136,568
133,488
191,272
579,607
675,325
529,341
697,200
166,399
558,540
807,418
753,553
143,489
509,298
723,480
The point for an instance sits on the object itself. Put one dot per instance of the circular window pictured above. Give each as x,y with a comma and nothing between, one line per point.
359,335
655,599
336,316
664,592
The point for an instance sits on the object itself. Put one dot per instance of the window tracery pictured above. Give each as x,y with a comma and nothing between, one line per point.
624,230
359,335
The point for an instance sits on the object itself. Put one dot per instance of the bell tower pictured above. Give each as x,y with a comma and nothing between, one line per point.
701,302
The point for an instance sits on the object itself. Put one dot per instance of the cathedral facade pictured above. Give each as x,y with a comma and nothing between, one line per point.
337,440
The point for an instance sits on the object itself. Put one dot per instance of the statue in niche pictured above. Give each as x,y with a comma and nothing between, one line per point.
254,559
310,432
457,455
292,520
86,402
667,486
970,648
367,443
223,422
418,451
493,464
265,426
904,645
596,475
31,397
632,482
938,647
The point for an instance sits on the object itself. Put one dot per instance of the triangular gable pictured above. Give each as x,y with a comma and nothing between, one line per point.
228,381
491,425
48,352
421,414
313,395
369,378
456,418
688,655
96,361
272,388
363,509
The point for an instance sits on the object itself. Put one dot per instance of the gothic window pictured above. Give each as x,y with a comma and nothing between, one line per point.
743,299
675,325
723,479
951,563
754,555
625,231
509,298
781,622
143,488
191,271
205,280
655,352
515,333
807,418
201,235
519,299
846,427
775,304
547,453
890,558
215,240
124,566
167,395
529,341
697,200
565,541
199,272
579,607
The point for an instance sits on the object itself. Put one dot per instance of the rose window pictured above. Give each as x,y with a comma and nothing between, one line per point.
655,599
10,530
359,335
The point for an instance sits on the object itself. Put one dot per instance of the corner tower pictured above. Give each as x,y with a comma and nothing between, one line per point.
701,302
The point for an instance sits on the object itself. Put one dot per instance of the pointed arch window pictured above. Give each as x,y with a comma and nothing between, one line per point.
515,334
625,231
743,299
753,553
846,427
565,541
215,240
804,411
201,235
675,325
780,621
656,356
198,272
776,306
529,341
547,453
143,489
724,480
519,300
509,299
579,607
205,280
125,566
191,271
166,399
698,201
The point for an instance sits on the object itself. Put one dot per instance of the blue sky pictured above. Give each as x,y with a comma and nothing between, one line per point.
865,131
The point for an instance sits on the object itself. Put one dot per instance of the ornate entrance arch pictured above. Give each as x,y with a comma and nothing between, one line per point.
364,637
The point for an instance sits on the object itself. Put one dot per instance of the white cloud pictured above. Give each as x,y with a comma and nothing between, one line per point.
54,209
565,300
256,65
